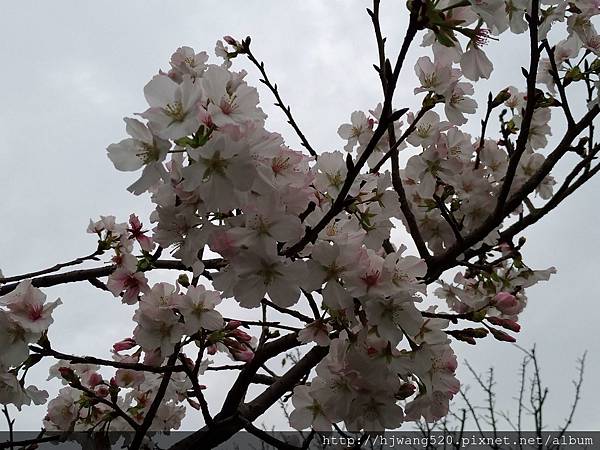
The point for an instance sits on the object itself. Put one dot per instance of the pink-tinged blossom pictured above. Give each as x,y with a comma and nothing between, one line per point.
130,283
63,410
258,272
357,131
28,308
158,327
222,170
136,233
173,111
317,331
197,307
331,173
506,303
109,225
242,353
427,129
434,77
230,101
393,317
307,413
493,13
14,341
142,149
457,103
266,221
185,61
125,378
475,64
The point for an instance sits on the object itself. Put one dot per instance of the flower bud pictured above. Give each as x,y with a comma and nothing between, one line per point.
211,349
405,391
94,379
241,336
233,324
230,40
125,344
502,336
242,354
102,390
506,303
68,375
501,97
505,323
183,280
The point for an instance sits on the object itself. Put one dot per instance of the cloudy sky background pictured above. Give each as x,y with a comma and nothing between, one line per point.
73,69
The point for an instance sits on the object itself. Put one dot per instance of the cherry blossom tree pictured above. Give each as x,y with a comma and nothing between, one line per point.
313,242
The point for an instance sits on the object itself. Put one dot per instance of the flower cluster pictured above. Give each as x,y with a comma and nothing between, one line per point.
89,399
24,319
235,189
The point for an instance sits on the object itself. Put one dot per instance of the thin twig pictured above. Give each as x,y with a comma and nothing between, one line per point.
273,88
73,359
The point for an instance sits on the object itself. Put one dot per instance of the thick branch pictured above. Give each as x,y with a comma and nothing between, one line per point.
240,387
225,428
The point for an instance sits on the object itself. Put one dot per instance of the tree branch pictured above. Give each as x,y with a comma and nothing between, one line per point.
98,272
273,88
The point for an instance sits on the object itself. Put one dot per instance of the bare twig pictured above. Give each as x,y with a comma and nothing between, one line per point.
273,88
55,268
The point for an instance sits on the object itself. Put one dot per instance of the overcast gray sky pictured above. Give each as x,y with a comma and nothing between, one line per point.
73,69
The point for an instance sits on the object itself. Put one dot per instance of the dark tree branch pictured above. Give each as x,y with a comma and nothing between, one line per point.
98,272
55,268
160,393
388,82
484,123
208,419
104,362
559,84
226,427
523,136
240,387
290,312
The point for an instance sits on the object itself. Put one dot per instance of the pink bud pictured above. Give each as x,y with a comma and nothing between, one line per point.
194,404
188,362
211,349
101,390
125,344
94,379
245,355
241,335
406,390
502,336
229,40
505,323
233,324
506,303
68,374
